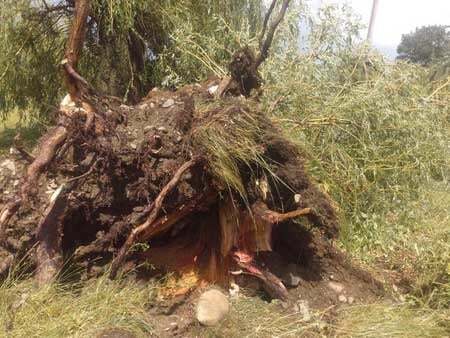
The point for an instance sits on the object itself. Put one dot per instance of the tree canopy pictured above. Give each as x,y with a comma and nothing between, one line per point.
130,46
425,45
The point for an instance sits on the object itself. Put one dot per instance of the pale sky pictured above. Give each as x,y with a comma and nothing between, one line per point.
397,17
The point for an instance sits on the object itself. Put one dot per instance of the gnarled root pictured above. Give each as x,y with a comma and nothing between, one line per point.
272,284
149,223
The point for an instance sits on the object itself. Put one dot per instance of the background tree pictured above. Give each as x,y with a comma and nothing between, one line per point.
425,44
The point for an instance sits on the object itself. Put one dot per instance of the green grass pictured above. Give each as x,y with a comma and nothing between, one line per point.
393,321
29,131
80,310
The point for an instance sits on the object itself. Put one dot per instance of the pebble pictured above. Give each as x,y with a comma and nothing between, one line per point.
290,277
168,103
342,299
212,307
8,164
213,89
336,287
304,310
162,129
234,290
351,300
297,198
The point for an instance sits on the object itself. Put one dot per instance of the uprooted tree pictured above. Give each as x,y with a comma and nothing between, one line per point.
194,179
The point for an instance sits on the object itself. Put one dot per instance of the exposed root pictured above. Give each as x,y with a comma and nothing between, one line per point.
272,284
49,232
6,213
262,210
114,159
136,233
47,152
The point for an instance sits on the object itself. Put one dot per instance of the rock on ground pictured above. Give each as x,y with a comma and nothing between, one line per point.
212,307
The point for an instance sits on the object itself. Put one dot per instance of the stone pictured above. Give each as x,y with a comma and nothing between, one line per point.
168,103
336,287
162,129
8,164
212,307
350,300
304,310
234,290
342,299
290,277
213,89
297,198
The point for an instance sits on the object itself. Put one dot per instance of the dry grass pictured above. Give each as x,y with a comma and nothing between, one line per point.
253,317
232,140
387,320
73,310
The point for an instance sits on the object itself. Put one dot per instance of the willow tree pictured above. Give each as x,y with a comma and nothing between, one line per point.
129,46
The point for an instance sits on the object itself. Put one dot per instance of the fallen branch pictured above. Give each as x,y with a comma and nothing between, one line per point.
26,156
266,21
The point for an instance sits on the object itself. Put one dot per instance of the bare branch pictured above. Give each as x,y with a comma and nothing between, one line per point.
266,21
264,49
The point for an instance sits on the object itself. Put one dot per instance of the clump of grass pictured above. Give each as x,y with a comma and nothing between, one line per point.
232,140
387,320
73,310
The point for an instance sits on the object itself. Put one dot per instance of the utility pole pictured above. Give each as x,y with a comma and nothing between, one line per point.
372,20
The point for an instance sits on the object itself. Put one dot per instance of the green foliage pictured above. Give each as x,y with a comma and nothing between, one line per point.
373,133
29,59
425,45
130,46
